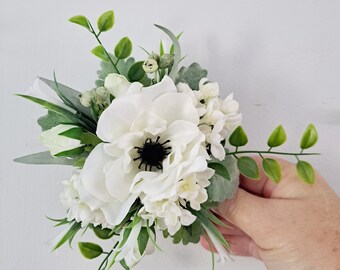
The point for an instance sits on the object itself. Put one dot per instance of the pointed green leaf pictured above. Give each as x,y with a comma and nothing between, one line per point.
136,72
99,51
90,250
124,48
309,137
102,233
81,20
248,167
177,53
172,48
278,137
124,265
306,172
44,158
69,234
79,163
220,170
106,21
73,133
238,138
272,169
143,239
161,48
71,153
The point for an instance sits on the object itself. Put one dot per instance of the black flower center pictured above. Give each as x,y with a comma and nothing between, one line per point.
152,153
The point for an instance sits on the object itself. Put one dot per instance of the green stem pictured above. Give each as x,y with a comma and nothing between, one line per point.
99,41
106,259
272,153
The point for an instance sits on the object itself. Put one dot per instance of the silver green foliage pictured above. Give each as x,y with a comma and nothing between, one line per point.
191,75
221,189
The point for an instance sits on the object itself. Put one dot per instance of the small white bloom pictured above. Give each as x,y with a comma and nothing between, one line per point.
101,96
116,84
150,66
86,98
59,143
129,251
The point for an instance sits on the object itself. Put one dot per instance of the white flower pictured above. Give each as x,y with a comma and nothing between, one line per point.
151,141
86,98
58,143
150,66
129,251
116,84
218,117
72,199
168,214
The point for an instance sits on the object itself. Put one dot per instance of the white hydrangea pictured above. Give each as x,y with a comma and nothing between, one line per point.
72,199
218,117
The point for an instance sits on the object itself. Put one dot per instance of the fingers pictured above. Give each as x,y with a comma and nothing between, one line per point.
239,245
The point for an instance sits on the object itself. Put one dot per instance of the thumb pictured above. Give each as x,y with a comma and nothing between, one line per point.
246,211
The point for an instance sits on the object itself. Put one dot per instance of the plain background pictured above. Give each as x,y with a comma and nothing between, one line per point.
280,58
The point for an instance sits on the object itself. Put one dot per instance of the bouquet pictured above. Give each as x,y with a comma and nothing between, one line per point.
154,148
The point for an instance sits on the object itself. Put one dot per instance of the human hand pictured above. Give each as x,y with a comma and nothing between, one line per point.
290,225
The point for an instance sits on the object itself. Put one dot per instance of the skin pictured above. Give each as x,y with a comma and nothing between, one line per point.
290,225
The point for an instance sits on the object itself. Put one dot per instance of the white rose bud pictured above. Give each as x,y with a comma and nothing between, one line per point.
116,84
57,143
150,66
86,98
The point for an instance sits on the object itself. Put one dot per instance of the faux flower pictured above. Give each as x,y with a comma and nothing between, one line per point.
116,84
57,143
151,142
129,251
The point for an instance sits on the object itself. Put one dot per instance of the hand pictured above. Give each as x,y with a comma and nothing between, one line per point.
290,225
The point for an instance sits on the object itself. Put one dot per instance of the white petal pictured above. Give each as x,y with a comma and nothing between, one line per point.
165,86
117,84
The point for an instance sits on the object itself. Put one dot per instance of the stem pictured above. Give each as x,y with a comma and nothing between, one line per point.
268,152
107,54
106,259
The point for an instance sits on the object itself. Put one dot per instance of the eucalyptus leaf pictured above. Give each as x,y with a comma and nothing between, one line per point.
124,48
106,21
272,169
52,119
305,171
220,189
90,250
99,51
238,138
220,169
248,167
44,158
80,20
191,75
177,49
136,72
278,137
143,239
309,137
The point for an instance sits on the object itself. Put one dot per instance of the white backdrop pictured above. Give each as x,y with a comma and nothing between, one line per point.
280,58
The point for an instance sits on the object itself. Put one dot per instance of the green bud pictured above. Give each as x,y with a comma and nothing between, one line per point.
154,56
166,61
150,66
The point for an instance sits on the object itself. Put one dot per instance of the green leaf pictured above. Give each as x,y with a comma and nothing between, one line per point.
90,250
106,21
124,265
213,218
69,96
272,169
305,171
161,48
191,75
220,189
309,137
102,233
73,133
143,239
99,51
44,158
172,48
107,68
89,138
79,163
69,234
124,48
71,153
238,138
278,137
52,119
177,50
136,72
81,20
248,167
220,170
